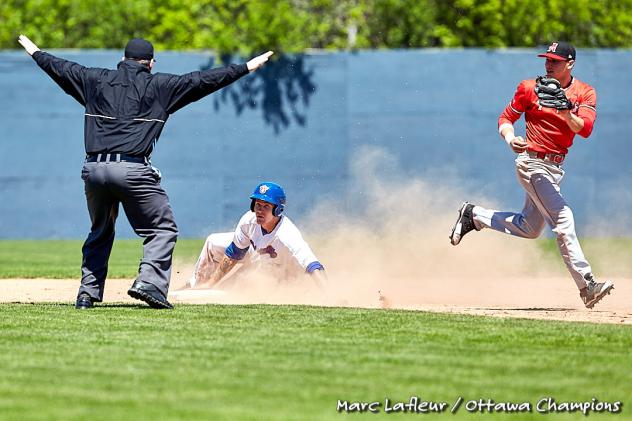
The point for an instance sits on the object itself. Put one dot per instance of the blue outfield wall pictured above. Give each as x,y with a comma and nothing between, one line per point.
301,122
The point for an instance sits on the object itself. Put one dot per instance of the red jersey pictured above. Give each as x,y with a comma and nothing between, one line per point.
547,131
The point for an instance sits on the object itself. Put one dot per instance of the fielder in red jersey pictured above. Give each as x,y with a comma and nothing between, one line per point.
547,130
550,133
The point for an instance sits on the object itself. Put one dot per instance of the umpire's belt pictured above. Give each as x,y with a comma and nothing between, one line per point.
117,157
556,158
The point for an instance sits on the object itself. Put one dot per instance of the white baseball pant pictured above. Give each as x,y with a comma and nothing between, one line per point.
544,204
210,256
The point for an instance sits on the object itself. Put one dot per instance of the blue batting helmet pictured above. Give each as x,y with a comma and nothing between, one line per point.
271,193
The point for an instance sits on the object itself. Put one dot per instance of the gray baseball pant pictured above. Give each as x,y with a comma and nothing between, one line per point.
544,204
137,187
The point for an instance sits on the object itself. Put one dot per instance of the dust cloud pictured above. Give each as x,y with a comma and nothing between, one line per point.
385,244
394,239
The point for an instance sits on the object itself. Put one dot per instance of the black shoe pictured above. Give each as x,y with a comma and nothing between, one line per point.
84,301
464,223
150,294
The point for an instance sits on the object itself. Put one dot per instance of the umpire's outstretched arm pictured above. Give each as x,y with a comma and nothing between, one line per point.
183,90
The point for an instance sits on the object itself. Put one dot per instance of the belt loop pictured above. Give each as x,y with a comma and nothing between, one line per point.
99,157
118,157
107,158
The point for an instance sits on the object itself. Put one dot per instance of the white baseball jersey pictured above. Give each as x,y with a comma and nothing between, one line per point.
284,246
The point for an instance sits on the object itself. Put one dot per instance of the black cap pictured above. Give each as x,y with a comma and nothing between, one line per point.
139,49
559,50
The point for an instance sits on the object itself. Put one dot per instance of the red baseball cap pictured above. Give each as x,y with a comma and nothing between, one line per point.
559,50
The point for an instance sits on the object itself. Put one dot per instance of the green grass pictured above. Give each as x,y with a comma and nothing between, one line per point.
293,363
610,256
60,259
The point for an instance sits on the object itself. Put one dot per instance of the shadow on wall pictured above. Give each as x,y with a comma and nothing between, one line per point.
282,89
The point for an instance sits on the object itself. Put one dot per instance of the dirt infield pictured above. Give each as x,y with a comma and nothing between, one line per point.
541,298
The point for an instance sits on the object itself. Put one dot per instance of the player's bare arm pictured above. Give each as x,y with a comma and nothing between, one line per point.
320,279
516,143
225,265
575,122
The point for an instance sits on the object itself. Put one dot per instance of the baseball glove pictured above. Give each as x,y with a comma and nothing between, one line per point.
551,94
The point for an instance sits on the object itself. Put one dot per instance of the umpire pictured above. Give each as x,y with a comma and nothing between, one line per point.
125,112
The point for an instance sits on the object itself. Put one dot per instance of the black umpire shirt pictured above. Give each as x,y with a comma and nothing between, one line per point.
127,108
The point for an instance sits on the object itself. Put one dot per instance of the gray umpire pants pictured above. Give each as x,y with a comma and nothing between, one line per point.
544,204
137,187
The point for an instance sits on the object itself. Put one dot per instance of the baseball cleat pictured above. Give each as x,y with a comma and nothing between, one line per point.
595,291
464,223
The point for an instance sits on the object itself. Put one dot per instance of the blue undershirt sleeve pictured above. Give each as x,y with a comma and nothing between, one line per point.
235,252
314,266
